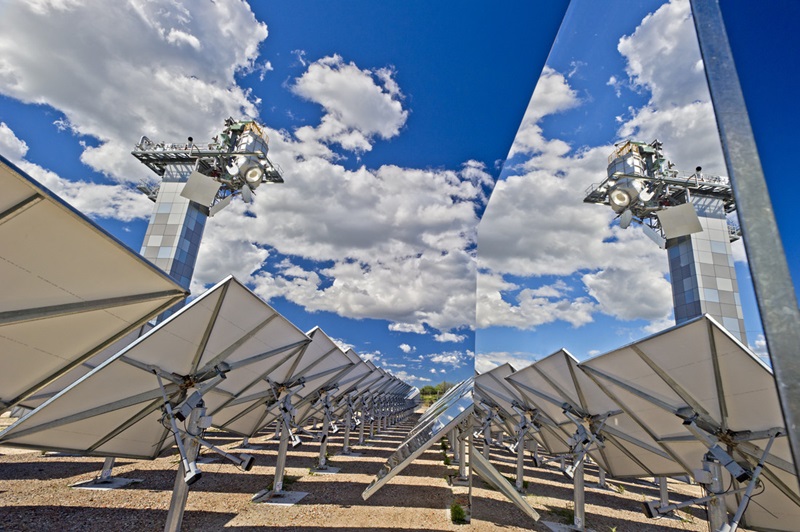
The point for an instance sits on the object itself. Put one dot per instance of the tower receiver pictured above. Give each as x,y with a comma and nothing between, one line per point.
197,180
686,214
643,186
233,163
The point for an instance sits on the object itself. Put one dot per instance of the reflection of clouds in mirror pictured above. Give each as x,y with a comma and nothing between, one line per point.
488,361
648,82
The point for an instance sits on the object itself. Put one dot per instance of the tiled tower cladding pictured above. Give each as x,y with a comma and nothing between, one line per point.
702,272
176,228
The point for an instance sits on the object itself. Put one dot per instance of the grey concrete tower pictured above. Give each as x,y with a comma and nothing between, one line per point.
688,216
198,180
176,226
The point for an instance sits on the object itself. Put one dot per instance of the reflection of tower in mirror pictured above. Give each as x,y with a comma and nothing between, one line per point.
702,271
688,216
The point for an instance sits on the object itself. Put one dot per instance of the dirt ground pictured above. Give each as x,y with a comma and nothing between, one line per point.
35,493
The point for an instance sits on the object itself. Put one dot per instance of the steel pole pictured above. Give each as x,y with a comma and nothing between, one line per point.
775,294
180,492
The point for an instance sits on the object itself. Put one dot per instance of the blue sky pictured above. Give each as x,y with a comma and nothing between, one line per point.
391,122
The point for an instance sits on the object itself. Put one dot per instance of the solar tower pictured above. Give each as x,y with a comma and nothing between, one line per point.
197,181
687,216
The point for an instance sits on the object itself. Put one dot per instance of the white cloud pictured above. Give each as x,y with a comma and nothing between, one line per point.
659,324
214,259
13,148
644,295
661,60
359,104
123,69
551,95
449,337
409,378
405,348
399,239
407,328
662,46
343,344
616,84
456,359
759,347
487,361
375,357
528,310
96,200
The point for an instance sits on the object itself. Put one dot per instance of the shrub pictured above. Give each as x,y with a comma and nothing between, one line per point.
457,514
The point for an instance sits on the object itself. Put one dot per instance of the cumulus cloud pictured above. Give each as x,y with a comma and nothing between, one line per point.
157,68
343,344
527,310
662,61
374,357
646,295
449,337
390,243
658,49
405,348
551,95
409,378
759,347
219,247
518,360
93,199
359,104
456,359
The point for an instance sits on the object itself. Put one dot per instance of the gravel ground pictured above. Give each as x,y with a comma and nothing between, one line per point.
35,494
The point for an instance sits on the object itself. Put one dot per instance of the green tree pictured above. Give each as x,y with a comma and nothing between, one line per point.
444,386
428,390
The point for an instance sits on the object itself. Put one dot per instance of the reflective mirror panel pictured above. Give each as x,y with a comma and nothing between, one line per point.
590,239
440,418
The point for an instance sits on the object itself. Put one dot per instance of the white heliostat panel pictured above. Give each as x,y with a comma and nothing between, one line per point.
318,366
492,388
356,383
69,290
698,368
115,410
359,372
627,450
555,427
79,371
